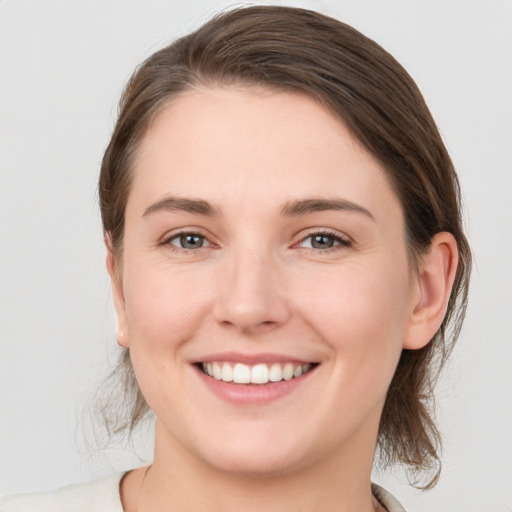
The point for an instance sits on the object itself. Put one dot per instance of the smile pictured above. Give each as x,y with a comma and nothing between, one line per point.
261,373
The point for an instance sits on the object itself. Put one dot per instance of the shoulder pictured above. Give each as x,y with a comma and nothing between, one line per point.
98,496
387,499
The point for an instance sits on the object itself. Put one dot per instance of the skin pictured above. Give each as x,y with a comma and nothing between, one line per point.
258,285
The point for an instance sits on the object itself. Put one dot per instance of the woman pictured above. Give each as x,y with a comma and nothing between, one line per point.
284,241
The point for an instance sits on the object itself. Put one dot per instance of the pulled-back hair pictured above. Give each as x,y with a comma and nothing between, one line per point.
368,90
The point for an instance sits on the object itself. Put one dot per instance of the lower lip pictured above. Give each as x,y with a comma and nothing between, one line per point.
252,394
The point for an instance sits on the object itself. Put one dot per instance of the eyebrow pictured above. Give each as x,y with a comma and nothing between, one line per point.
172,203
290,208
305,206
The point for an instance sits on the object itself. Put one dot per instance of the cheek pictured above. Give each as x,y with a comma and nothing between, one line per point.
163,305
361,313
164,310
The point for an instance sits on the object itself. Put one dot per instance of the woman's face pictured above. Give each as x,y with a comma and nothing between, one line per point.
262,241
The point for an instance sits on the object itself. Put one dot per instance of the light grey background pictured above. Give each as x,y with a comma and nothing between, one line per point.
62,68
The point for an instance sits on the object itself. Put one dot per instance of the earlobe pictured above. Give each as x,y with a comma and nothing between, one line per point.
117,294
435,277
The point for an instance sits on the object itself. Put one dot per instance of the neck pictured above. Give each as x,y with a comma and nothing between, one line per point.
180,481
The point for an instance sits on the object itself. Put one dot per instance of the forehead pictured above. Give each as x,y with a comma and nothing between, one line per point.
243,142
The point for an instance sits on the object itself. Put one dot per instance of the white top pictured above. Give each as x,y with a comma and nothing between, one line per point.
103,496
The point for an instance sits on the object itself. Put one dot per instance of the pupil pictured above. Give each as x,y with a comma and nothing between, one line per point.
322,242
191,241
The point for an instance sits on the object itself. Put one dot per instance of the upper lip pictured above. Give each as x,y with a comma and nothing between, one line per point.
252,359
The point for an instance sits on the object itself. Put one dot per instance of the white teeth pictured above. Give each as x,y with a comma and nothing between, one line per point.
258,374
275,374
217,371
241,374
227,373
288,371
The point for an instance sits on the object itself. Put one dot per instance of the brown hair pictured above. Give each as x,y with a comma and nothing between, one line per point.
368,90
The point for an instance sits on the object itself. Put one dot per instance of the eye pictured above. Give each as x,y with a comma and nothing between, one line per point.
323,241
189,241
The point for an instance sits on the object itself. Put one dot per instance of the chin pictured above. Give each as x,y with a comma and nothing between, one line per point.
257,464
260,454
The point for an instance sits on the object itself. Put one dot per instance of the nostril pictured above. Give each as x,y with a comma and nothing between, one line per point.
247,326
250,299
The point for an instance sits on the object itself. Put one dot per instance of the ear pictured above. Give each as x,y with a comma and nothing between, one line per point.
122,334
433,285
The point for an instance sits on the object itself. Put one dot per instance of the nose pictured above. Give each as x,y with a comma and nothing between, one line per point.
251,296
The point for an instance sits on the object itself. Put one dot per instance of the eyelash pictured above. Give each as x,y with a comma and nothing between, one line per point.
339,241
176,236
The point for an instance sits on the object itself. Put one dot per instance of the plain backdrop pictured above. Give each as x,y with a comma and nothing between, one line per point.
62,68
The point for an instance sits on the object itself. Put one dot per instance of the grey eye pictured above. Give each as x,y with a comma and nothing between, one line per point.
189,241
322,241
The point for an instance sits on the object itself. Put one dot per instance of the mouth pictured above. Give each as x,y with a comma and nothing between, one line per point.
257,374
